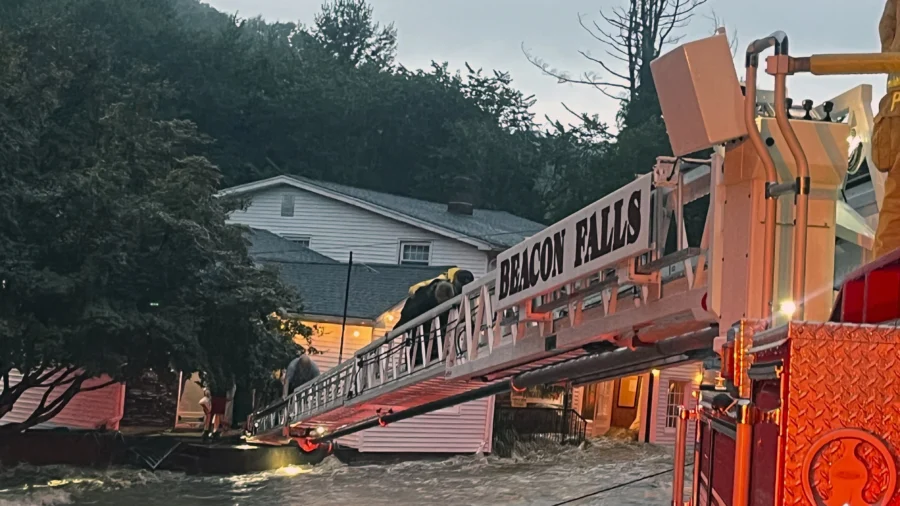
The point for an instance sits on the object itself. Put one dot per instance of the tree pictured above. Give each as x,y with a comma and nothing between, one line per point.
346,30
633,37
115,256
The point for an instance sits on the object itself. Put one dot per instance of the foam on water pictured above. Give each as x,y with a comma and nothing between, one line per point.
537,474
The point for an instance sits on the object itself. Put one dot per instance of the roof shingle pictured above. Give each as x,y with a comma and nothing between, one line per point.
265,245
374,288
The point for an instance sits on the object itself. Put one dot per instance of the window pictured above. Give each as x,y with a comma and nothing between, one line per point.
302,240
674,399
604,399
287,205
415,253
628,392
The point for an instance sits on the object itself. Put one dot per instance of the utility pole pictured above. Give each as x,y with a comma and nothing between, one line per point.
346,300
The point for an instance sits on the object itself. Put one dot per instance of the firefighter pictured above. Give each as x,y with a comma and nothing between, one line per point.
301,370
886,139
429,294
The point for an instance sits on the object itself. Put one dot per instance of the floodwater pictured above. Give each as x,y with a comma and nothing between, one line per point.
536,475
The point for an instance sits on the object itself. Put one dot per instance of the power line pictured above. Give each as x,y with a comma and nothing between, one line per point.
618,486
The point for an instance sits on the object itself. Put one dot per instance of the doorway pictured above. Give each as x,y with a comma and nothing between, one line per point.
589,403
625,401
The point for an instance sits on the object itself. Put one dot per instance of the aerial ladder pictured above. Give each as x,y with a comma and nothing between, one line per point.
597,296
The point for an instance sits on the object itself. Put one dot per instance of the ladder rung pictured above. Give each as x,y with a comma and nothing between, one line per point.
668,260
564,299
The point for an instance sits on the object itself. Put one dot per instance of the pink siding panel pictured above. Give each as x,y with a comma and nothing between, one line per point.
87,410
352,440
328,342
463,429
577,396
663,435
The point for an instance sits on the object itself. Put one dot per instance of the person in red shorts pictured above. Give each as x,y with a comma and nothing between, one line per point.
214,411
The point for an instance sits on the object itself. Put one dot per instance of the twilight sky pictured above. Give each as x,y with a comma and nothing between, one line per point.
491,33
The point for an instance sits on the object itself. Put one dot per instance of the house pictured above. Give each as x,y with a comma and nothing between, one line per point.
396,242
96,409
334,219
646,404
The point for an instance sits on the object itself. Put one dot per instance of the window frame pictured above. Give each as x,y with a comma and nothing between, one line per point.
298,239
404,244
672,402
285,198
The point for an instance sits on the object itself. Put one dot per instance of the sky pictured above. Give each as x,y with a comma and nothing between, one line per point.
491,34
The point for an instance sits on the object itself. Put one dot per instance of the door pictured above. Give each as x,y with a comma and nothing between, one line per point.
625,405
589,403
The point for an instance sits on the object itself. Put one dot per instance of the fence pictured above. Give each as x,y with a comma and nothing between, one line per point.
511,425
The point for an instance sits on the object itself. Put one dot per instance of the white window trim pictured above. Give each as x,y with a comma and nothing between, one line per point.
684,395
403,243
298,238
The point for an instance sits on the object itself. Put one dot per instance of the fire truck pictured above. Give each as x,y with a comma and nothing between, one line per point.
803,407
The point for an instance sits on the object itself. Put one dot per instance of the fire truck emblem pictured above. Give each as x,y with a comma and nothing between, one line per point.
849,467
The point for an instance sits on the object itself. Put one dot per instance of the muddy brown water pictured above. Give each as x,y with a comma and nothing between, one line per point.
536,475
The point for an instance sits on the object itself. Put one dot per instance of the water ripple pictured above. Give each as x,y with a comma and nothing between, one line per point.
536,475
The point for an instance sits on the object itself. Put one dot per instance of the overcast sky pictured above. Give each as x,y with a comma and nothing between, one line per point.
490,34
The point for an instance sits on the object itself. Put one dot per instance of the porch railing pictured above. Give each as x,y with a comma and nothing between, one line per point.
564,426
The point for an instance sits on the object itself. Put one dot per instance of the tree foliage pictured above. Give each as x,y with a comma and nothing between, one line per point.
119,121
114,253
347,31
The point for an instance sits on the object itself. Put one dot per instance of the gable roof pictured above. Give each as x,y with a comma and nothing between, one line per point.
374,288
485,229
265,245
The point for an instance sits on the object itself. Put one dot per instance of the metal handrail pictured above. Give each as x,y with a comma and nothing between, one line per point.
566,423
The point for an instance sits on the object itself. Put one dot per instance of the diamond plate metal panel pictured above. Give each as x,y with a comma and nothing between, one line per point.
841,376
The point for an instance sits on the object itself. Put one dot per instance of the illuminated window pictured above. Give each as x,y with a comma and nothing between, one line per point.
674,399
415,253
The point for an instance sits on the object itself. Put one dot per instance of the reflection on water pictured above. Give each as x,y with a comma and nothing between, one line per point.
536,475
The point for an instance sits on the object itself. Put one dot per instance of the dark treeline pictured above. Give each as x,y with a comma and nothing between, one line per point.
119,119
329,101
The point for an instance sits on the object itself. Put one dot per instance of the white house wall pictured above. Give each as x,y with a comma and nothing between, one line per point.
460,429
336,228
690,373
466,428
